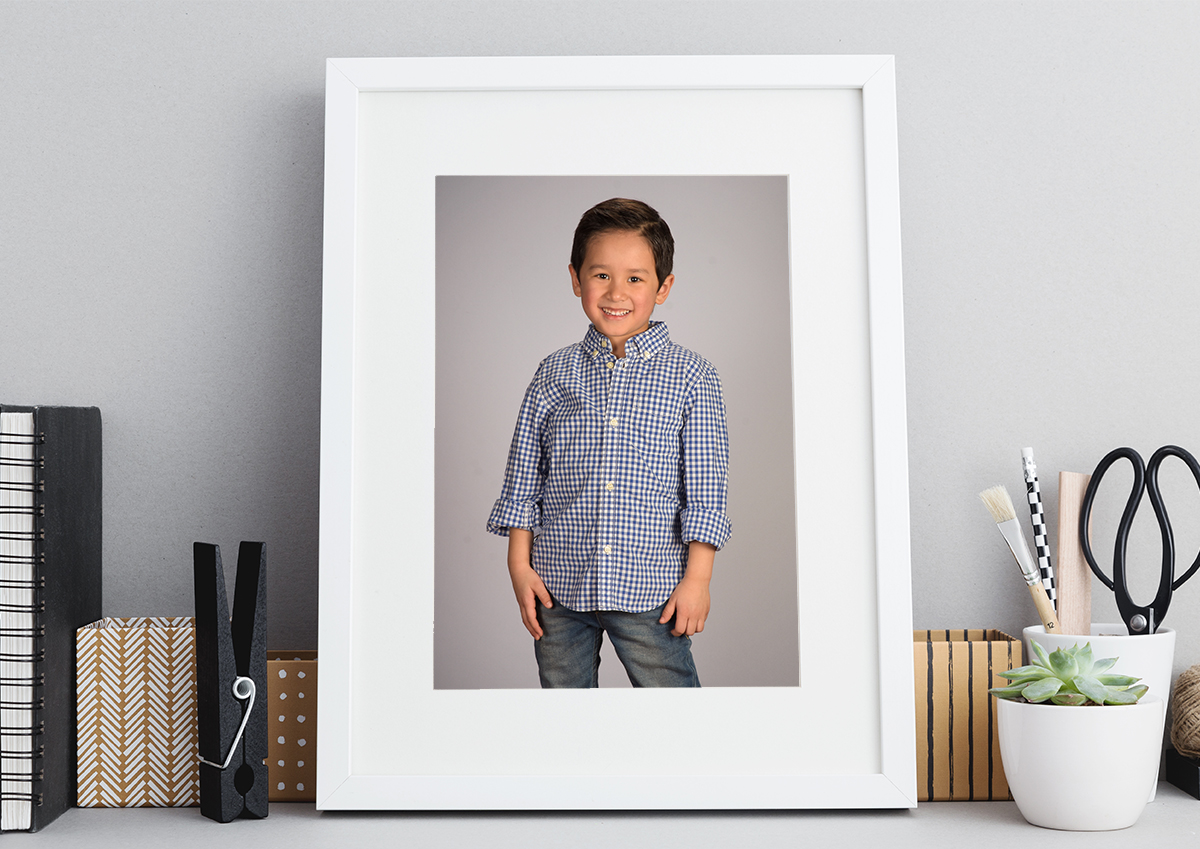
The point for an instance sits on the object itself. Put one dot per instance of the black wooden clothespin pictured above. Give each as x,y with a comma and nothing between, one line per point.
231,684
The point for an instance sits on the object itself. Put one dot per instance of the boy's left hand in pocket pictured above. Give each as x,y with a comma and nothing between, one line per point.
689,605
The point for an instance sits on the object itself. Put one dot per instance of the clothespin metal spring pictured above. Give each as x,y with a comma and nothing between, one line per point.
243,689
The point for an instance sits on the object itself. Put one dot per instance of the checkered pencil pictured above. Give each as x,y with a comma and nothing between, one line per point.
1041,542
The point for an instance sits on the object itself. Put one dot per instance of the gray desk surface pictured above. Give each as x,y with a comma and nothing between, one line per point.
1170,820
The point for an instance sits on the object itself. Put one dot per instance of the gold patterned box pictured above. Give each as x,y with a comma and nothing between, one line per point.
292,725
136,713
958,749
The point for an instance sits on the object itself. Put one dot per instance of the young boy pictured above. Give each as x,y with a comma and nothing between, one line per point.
615,490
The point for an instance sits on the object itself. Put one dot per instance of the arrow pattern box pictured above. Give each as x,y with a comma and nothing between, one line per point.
136,713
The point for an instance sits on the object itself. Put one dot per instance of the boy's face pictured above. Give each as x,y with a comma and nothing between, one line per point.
619,286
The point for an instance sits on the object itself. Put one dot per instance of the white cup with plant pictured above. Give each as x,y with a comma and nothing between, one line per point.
1080,744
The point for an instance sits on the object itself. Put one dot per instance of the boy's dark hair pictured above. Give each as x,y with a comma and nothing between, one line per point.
623,214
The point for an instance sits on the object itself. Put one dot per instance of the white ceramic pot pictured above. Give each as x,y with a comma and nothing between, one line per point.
1146,656
1081,768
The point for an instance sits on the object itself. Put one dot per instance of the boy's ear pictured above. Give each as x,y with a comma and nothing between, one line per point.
664,289
575,281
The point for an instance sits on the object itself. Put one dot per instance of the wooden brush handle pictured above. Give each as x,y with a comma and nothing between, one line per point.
1045,609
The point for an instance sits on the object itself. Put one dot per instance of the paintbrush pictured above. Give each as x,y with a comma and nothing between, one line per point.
1000,505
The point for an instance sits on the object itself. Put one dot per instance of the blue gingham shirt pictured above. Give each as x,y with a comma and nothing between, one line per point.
616,465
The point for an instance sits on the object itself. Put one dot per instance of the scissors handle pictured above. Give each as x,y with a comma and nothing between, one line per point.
1139,618
1152,485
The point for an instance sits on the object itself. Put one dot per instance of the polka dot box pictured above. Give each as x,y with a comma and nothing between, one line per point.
292,725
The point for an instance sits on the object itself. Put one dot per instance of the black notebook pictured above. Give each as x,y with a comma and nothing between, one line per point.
50,583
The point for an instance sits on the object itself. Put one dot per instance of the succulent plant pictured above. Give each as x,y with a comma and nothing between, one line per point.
1069,677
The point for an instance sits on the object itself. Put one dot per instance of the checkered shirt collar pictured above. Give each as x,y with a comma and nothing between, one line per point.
645,345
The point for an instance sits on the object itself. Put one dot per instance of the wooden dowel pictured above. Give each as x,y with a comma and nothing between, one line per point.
1074,579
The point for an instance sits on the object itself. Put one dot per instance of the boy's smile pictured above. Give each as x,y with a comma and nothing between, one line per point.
618,285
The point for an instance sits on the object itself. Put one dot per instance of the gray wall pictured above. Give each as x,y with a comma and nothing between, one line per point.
160,228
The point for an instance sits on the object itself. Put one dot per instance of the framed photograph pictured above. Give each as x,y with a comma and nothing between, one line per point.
453,187
725,228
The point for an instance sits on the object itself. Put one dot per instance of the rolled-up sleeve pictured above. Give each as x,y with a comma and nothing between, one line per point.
520,501
705,445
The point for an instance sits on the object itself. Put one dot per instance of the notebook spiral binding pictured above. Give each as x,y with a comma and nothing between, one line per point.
11,789
35,681
37,656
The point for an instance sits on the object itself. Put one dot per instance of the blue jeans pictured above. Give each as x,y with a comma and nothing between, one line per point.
568,654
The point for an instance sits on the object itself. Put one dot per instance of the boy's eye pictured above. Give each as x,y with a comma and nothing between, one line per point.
635,280
602,276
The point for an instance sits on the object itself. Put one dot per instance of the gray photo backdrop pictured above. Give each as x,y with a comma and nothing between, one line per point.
504,302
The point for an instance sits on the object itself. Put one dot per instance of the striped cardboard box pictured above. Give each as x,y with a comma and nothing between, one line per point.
958,748
136,713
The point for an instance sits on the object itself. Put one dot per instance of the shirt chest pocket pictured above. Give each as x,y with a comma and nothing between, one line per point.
657,426
655,437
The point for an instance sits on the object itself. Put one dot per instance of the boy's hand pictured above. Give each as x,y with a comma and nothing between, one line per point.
689,605
527,584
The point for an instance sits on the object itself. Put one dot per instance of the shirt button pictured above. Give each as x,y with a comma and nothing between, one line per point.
608,549
613,422
611,364
609,486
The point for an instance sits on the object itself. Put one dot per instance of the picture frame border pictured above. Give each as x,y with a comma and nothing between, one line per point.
893,783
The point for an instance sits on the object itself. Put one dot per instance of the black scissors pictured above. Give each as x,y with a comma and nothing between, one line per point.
1139,620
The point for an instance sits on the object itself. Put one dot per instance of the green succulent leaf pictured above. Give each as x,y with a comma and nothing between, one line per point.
1013,692
1092,688
1138,690
1083,657
1026,673
1121,697
1064,664
1113,680
1041,690
1041,658
1069,699
1103,665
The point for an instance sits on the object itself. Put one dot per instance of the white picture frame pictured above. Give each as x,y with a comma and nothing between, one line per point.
386,739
